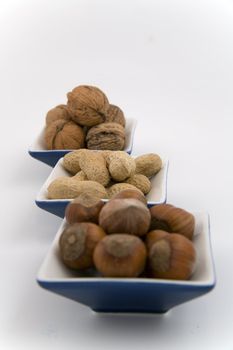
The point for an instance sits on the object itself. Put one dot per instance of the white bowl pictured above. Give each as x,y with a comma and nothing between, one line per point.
131,294
38,149
157,194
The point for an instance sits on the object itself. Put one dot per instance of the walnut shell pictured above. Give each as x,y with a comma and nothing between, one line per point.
71,161
106,136
116,188
148,164
93,165
57,113
67,188
63,134
88,104
121,165
115,115
141,182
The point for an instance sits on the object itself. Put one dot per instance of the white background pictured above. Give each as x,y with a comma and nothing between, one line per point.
170,65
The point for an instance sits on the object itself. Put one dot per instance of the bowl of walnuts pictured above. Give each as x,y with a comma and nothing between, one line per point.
87,120
122,256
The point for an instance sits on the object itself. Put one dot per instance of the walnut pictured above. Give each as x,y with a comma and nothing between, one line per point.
106,136
56,113
63,134
88,104
115,115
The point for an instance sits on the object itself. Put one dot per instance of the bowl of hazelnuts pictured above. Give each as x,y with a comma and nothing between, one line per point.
122,256
87,120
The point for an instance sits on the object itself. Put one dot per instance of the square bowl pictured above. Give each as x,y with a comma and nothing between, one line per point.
51,157
131,295
157,194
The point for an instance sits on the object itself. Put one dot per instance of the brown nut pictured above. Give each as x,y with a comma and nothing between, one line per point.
64,134
84,208
172,257
172,219
88,104
67,188
154,236
117,188
77,243
121,165
125,216
120,255
106,136
148,164
80,176
71,161
57,113
141,182
115,115
93,165
129,193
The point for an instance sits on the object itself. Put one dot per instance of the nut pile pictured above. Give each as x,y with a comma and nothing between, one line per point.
104,174
124,238
87,120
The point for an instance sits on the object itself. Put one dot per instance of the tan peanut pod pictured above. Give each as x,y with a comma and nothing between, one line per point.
67,188
71,161
141,182
117,188
148,164
121,165
80,176
93,165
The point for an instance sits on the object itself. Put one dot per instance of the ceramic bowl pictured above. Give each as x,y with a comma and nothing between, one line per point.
51,157
157,194
131,295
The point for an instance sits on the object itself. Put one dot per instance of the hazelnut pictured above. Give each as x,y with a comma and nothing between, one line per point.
154,236
148,164
56,113
172,219
106,136
83,208
77,243
64,134
129,193
88,104
125,216
115,115
172,257
120,255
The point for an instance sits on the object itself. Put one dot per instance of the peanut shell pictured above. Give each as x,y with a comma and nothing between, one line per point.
141,182
67,188
121,165
93,165
148,164
117,188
